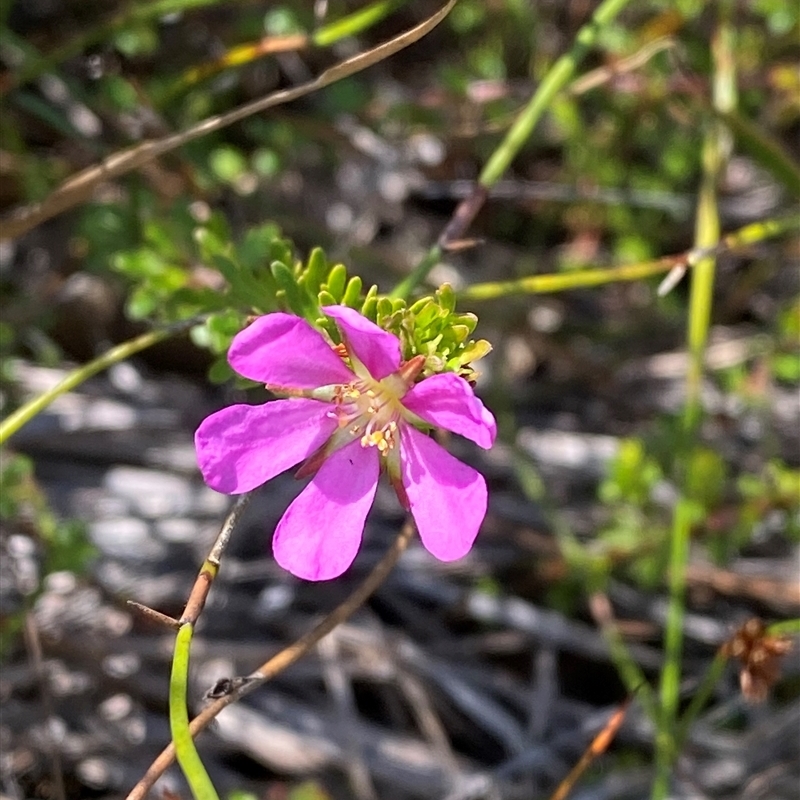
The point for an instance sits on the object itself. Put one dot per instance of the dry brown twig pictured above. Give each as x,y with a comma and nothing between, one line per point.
79,187
598,746
280,661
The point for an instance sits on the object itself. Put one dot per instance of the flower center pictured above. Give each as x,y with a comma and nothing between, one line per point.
372,409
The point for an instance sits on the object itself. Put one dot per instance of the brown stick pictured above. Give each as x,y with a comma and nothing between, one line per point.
285,658
79,187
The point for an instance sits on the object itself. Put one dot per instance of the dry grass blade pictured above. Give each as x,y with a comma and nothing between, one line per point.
79,187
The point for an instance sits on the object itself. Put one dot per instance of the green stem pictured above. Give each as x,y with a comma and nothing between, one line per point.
669,691
700,302
185,751
355,23
788,627
630,672
700,698
420,272
29,410
557,77
554,81
557,282
716,147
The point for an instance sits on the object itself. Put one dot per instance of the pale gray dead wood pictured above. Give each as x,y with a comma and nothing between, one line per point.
544,694
340,688
476,705
413,669
413,690
292,738
550,627
542,625
702,628
478,787
430,723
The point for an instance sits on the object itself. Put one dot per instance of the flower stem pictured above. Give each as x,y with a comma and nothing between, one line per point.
185,751
701,695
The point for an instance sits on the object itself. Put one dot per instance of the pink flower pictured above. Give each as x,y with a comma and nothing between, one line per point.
345,423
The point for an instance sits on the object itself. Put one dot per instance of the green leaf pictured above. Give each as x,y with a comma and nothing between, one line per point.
352,295
446,297
336,282
139,40
316,270
228,164
297,299
325,298
220,371
705,478
369,308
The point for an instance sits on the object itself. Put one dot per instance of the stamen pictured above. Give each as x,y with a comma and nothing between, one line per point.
370,409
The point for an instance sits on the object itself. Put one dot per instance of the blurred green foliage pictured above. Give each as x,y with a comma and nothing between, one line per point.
23,502
618,159
62,545
633,136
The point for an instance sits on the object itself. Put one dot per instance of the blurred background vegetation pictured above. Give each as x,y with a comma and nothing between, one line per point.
588,385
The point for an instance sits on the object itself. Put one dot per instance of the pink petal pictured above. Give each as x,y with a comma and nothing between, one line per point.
320,533
447,401
241,447
376,349
448,499
284,350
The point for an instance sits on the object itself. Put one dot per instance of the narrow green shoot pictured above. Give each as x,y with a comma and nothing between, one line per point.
788,627
556,79
669,690
700,698
630,672
355,23
25,413
559,75
716,148
185,752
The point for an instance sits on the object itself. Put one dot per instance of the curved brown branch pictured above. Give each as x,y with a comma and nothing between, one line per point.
80,186
285,658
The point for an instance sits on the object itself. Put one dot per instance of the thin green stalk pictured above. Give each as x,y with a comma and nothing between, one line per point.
716,147
788,627
419,273
556,79
669,690
185,751
700,698
560,281
700,299
765,149
27,412
629,671
355,23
